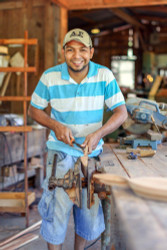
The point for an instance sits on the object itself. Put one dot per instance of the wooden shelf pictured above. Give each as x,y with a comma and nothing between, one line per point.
15,98
19,41
21,204
16,129
15,202
17,69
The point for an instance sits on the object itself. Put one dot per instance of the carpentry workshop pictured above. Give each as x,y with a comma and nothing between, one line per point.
83,124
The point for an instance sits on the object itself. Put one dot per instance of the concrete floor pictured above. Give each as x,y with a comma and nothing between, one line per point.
11,224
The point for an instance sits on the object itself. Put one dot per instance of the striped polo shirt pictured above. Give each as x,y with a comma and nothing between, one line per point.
80,107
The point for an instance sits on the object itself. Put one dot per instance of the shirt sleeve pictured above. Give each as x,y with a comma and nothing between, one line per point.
113,94
40,96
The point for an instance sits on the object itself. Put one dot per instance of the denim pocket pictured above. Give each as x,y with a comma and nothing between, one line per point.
46,206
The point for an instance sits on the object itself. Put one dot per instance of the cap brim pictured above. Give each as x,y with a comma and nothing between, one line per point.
78,40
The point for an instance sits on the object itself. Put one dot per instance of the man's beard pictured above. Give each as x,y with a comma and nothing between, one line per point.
77,70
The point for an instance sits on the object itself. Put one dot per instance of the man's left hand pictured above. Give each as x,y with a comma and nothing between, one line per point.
91,141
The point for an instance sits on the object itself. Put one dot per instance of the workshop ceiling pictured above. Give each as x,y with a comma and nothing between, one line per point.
149,21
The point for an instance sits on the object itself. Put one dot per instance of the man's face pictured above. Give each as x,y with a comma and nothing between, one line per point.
77,56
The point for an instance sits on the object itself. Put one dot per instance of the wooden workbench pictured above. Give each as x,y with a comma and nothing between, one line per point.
142,222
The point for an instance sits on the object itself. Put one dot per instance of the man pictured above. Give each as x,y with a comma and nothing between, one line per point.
77,91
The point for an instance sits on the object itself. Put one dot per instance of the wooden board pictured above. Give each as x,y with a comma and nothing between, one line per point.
116,168
15,201
152,166
143,222
149,187
20,242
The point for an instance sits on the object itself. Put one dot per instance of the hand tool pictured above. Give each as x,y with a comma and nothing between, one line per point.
72,142
141,152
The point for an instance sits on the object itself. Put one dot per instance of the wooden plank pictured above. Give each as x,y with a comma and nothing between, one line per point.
32,227
13,195
129,19
16,129
15,98
19,41
20,242
138,167
158,162
17,69
100,4
61,3
15,202
136,213
117,167
155,87
19,4
63,28
49,36
85,4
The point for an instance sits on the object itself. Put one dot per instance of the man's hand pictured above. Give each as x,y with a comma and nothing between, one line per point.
118,117
63,133
91,141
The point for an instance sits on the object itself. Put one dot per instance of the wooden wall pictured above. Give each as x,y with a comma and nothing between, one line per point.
42,20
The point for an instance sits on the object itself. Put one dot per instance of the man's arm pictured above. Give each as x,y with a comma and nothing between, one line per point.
62,133
114,122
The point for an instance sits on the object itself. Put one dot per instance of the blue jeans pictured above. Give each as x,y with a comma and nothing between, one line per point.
55,207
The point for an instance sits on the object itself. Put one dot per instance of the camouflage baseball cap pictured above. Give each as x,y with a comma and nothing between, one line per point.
78,35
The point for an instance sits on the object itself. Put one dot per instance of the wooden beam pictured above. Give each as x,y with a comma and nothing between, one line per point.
129,19
83,4
23,232
16,129
101,4
19,4
63,28
143,44
159,9
15,98
49,36
17,69
61,3
20,242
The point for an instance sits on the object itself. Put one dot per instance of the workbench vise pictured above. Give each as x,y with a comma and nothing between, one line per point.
75,180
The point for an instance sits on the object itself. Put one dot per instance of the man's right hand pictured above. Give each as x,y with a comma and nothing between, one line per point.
63,133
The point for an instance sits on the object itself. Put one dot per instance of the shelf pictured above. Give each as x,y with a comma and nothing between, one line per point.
24,202
17,69
16,129
15,202
19,41
15,98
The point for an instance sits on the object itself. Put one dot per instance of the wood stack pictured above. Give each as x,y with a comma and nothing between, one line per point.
22,238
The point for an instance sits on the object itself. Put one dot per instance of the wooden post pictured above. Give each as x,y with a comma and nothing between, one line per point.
62,31
25,133
49,36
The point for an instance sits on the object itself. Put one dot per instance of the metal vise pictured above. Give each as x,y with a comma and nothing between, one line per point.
73,182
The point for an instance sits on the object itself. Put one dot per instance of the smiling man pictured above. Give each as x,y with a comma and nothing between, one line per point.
77,91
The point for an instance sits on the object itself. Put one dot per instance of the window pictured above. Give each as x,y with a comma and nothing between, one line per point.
123,69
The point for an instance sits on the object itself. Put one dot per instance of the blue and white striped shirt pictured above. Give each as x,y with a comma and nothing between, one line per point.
80,107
